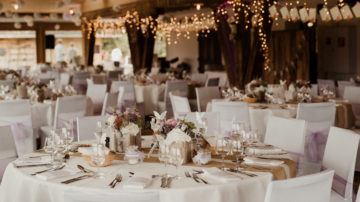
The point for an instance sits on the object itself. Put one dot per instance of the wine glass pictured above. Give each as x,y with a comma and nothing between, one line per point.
68,137
223,148
49,147
164,154
177,155
237,149
98,158
237,128
59,148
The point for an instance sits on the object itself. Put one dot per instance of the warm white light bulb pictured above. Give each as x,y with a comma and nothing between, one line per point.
16,6
198,7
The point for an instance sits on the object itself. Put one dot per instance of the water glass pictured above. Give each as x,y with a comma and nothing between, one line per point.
98,158
223,148
49,147
164,154
177,155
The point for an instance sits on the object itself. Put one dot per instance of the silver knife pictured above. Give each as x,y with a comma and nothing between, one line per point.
34,165
76,179
168,182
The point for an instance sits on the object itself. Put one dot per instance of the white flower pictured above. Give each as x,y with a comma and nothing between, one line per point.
177,135
292,88
130,129
154,125
110,121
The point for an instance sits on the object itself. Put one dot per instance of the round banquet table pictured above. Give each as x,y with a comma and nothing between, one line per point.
18,185
150,95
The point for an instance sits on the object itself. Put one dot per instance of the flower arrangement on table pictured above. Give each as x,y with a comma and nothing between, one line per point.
256,89
9,75
143,78
299,91
126,129
167,132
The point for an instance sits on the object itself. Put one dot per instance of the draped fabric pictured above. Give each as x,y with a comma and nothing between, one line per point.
289,52
141,47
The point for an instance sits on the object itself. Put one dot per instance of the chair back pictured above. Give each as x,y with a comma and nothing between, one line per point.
68,109
110,103
127,96
180,105
314,90
352,94
79,81
212,82
288,134
222,75
317,112
209,119
86,126
204,95
89,82
179,87
310,188
17,114
340,155
114,75
327,83
199,77
8,151
99,79
64,79
231,111
96,92
341,87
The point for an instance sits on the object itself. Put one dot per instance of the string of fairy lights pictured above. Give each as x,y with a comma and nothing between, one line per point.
252,12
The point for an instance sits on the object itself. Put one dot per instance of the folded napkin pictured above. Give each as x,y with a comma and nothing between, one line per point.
90,150
137,183
33,161
50,175
219,175
264,150
262,162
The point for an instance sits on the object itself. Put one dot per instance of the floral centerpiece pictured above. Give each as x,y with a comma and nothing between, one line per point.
168,132
9,75
299,91
126,129
257,88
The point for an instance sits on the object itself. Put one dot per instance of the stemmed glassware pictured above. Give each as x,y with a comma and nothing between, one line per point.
177,155
59,147
223,148
68,137
49,147
237,149
98,158
237,129
164,154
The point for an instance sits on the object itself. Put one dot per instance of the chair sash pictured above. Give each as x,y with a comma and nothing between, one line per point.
339,185
316,144
21,137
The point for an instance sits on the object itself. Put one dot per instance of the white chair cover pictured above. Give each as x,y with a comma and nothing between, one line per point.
211,119
181,88
17,114
310,188
64,79
340,156
341,87
7,148
86,126
288,134
127,95
199,77
114,75
180,105
89,82
314,90
329,84
96,92
110,103
317,112
204,95
99,79
212,82
106,196
352,94
222,75
230,111
79,81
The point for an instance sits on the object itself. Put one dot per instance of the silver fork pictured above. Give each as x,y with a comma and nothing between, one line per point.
50,169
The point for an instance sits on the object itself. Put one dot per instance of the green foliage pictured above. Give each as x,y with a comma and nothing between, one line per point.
121,42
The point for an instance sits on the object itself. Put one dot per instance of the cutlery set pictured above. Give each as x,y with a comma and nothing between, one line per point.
196,177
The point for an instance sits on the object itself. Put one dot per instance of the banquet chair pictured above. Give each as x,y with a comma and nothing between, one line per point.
86,126
288,134
310,188
180,105
67,109
314,90
181,88
328,83
106,196
99,79
212,82
210,119
160,77
317,112
110,103
340,156
89,82
114,75
222,75
341,87
17,114
7,148
199,77
64,79
79,81
231,111
127,97
352,94
204,95
96,92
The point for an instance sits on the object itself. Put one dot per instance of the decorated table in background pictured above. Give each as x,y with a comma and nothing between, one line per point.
19,186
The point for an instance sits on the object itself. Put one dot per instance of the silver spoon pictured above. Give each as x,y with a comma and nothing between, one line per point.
118,178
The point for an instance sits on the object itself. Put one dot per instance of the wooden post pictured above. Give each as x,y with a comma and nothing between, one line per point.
40,44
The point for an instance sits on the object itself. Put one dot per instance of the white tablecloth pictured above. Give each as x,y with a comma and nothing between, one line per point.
19,186
150,96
